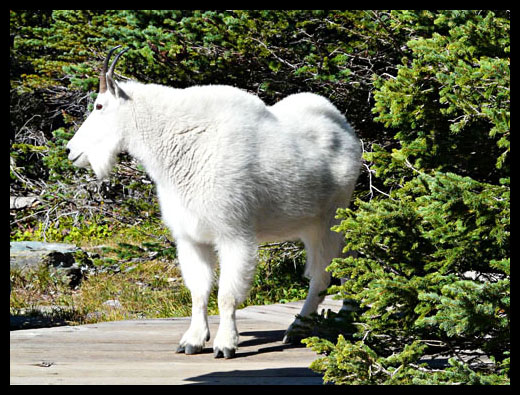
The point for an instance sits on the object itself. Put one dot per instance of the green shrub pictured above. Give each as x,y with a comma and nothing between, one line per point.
433,273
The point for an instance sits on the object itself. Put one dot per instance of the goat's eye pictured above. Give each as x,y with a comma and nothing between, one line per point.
99,106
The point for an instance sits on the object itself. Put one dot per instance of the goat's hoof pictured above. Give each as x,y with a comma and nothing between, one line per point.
227,353
291,338
189,349
287,339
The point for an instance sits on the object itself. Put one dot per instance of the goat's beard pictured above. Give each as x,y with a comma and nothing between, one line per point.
102,163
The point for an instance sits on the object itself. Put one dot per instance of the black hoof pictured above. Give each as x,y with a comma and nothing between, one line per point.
189,349
227,353
292,339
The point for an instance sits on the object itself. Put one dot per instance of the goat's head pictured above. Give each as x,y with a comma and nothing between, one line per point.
100,138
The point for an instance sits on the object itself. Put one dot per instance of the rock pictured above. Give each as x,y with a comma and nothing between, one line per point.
31,254
20,202
58,256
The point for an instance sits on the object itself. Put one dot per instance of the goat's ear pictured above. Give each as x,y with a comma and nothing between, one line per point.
115,89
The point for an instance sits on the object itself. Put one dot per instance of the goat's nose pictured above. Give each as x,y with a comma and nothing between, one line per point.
67,151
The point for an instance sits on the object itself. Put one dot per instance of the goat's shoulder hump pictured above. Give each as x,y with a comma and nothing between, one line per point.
306,102
305,98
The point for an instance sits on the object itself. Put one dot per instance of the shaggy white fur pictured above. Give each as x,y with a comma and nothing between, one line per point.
230,172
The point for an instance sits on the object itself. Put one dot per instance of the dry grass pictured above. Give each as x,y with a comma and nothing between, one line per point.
149,289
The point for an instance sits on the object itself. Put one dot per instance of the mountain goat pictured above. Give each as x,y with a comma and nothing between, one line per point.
230,173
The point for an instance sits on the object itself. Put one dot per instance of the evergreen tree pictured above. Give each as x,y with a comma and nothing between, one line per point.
432,275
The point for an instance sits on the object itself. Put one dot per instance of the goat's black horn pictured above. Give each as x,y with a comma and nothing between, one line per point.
103,74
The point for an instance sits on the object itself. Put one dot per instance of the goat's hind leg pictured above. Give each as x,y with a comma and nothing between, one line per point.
197,262
322,245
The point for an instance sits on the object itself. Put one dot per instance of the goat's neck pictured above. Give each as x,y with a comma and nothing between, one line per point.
162,150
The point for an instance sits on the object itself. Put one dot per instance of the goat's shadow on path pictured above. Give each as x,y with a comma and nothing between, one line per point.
258,339
264,337
273,376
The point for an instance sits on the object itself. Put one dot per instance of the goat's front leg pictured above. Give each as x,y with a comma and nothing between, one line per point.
197,262
237,267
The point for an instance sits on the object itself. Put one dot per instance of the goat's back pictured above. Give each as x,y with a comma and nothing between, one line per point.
292,160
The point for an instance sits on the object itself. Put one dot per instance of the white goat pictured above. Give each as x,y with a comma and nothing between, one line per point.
230,172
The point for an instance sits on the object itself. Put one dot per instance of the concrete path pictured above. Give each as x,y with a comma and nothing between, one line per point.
143,352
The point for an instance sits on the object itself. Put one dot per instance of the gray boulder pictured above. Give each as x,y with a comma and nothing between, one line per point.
57,256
